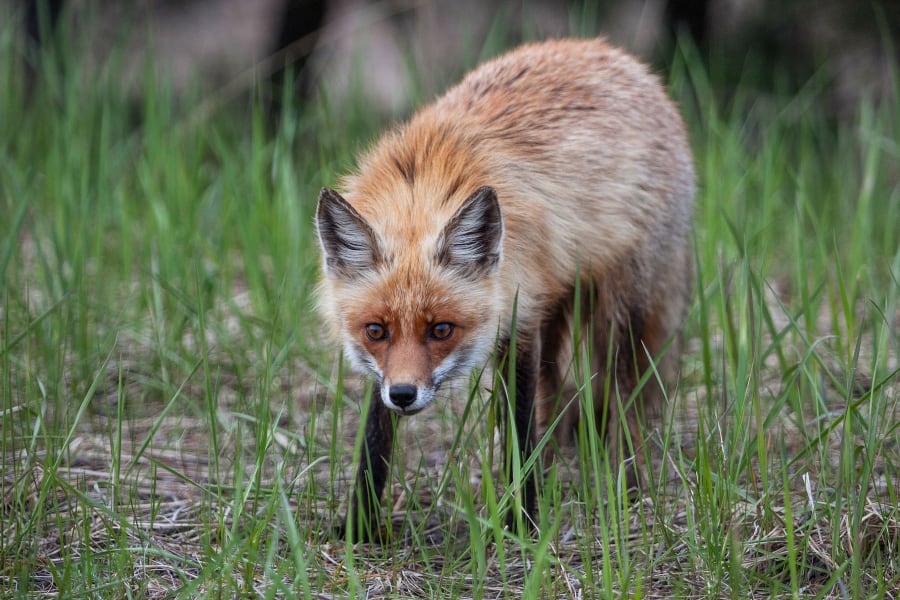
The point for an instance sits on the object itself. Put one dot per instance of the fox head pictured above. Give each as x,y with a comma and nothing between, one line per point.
412,296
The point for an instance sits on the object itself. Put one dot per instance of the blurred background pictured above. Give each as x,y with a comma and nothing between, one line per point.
345,48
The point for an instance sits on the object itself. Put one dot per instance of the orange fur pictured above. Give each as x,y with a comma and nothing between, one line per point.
590,164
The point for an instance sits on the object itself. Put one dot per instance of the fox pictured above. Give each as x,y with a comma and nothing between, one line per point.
554,178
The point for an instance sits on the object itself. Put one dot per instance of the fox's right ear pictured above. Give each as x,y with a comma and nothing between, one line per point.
349,246
472,241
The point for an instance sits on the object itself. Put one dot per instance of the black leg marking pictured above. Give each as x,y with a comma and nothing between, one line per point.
526,369
373,469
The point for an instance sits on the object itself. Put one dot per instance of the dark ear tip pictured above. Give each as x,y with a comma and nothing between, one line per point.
329,200
486,191
486,198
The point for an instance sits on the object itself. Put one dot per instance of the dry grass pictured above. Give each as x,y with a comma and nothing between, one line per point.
164,498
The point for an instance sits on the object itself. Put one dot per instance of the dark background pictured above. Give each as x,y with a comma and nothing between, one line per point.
847,45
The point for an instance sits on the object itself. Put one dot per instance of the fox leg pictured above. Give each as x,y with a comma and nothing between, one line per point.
661,343
373,468
628,411
526,373
625,409
550,401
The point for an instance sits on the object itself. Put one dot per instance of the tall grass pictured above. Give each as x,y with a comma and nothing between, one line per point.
174,424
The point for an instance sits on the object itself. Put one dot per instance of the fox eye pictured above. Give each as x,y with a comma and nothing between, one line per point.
442,331
376,332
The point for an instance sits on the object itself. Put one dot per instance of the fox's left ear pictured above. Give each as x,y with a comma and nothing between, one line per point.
349,245
472,241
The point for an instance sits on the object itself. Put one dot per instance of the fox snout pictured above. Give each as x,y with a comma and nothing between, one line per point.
402,394
406,398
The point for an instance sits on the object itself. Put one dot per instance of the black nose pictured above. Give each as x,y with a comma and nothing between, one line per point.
402,394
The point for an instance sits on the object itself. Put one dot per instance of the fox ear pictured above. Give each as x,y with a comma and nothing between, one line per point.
472,241
349,245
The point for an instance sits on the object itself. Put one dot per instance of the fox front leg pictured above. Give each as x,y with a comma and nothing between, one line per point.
525,373
374,463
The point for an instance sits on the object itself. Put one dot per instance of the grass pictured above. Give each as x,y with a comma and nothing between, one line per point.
172,422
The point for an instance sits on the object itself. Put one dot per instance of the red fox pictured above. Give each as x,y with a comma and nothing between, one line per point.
557,167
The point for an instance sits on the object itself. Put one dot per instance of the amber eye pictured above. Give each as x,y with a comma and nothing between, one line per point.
376,332
442,331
